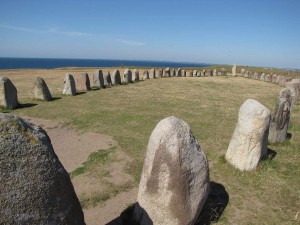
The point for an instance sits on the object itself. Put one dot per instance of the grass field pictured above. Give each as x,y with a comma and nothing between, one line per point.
210,105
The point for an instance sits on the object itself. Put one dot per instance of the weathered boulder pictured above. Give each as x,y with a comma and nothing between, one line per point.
233,70
175,179
116,77
41,90
281,118
249,142
98,79
69,85
179,72
35,187
135,75
127,77
8,94
82,81
152,74
146,75
167,72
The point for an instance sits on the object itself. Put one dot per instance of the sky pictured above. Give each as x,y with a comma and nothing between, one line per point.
253,32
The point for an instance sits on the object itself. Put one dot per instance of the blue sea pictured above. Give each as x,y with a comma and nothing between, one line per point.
51,63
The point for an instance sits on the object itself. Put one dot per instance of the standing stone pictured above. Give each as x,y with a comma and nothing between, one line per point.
152,74
183,73
234,71
107,80
69,85
160,73
127,77
223,72
281,118
191,73
135,75
116,77
173,73
247,74
243,71
82,81
195,73
274,78
215,72
293,87
268,78
98,79
255,75
204,72
41,90
179,72
8,94
249,142
146,75
175,179
262,77
208,73
35,187
167,72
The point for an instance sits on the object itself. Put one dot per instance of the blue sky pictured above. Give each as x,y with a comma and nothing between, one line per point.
256,32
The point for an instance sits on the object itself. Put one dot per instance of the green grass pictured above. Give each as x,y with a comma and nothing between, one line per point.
210,105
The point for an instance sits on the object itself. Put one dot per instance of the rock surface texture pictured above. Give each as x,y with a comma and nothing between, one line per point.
175,179
41,90
82,82
98,79
135,75
8,94
35,187
69,85
249,142
233,70
116,77
281,118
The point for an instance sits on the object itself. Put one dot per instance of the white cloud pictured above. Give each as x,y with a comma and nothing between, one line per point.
50,30
131,43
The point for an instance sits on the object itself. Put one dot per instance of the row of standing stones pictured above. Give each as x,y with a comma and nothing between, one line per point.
175,184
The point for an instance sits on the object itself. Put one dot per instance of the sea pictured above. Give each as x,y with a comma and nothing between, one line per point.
51,63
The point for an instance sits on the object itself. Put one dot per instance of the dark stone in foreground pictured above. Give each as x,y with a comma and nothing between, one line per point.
35,187
8,94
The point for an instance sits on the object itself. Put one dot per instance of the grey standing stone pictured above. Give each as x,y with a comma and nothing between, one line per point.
191,73
294,88
183,73
198,73
41,90
160,73
274,77
249,142
135,75
281,118
223,72
262,77
167,72
243,71
233,70
107,79
35,187
98,79
268,78
204,72
8,94
173,72
152,74
127,77
82,81
208,73
195,73
215,72
116,77
179,72
69,85
175,179
146,75
255,75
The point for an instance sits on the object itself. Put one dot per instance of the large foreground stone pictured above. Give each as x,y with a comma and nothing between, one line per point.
35,187
281,117
175,179
69,85
8,94
41,90
249,142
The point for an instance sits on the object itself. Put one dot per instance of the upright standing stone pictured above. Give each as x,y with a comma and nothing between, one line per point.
127,77
233,70
194,73
146,75
243,71
35,187
255,75
208,73
69,85
198,73
191,73
249,142
281,118
293,87
175,179
173,72
41,90
107,80
8,94
204,72
160,73
262,77
179,72
167,72
152,74
183,73
135,75
223,72
274,77
215,72
82,82
116,77
98,79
